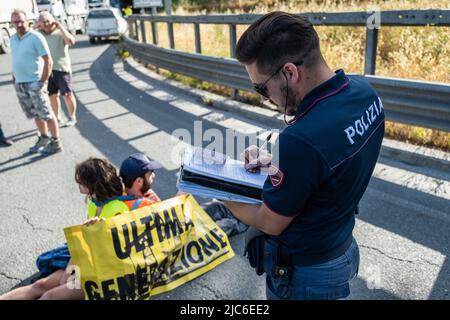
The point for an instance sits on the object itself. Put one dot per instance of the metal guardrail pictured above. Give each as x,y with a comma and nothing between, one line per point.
387,18
371,20
419,103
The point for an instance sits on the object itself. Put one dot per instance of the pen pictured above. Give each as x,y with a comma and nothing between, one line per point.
265,142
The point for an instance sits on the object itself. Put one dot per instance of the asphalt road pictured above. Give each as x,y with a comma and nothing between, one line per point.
403,229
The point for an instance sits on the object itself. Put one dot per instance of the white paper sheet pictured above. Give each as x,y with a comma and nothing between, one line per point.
221,167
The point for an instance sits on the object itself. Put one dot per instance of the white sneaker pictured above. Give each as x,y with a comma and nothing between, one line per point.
71,122
61,123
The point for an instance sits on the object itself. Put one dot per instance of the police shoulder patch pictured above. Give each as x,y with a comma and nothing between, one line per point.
276,176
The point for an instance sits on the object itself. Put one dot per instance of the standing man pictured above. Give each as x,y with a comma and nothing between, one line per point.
322,163
60,81
31,67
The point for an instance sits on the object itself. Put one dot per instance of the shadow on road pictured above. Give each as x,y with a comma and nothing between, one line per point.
87,44
432,233
7,82
24,135
32,158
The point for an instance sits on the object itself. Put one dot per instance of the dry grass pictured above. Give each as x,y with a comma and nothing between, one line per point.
421,53
417,135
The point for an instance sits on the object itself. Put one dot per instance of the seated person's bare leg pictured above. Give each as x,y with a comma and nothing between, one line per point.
68,289
35,290
63,292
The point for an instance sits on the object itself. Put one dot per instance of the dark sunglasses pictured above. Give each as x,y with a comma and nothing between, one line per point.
262,88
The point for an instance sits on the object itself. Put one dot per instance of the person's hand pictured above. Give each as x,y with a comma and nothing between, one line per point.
92,221
43,84
255,159
56,24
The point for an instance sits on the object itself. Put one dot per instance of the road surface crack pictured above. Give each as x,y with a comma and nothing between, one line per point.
216,296
27,220
9,277
400,259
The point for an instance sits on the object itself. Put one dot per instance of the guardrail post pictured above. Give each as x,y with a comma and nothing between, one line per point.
232,39
232,53
136,31
168,7
171,37
154,28
198,42
144,35
130,29
371,51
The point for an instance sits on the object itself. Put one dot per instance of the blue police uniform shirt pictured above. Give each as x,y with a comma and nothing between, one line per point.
323,163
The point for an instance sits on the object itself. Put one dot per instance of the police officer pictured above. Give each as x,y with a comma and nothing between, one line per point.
322,163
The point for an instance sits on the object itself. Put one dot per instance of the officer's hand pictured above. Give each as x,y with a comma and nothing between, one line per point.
93,221
255,159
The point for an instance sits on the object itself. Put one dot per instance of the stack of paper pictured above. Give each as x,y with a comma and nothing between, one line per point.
214,175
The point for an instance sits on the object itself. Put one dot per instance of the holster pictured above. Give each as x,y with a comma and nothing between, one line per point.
254,249
265,255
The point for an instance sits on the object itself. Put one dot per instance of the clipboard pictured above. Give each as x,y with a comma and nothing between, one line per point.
221,185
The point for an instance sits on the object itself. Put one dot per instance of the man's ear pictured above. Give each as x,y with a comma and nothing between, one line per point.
138,181
291,72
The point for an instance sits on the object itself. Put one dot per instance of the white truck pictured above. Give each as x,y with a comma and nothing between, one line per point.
98,3
105,3
6,29
71,13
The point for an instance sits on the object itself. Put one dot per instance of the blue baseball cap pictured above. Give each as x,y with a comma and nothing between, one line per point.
137,165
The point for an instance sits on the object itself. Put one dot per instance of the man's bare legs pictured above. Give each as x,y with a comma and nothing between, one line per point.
51,124
71,104
56,105
42,126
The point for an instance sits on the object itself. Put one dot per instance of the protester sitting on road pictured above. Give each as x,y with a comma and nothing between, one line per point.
60,81
98,179
138,174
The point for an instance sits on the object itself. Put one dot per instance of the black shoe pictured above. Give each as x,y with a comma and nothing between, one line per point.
6,142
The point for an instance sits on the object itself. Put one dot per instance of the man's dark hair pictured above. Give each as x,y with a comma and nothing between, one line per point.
100,177
128,182
277,38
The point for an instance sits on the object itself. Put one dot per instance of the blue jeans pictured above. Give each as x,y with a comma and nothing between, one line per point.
325,281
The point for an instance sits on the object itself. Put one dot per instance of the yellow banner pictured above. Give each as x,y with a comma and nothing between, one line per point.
147,251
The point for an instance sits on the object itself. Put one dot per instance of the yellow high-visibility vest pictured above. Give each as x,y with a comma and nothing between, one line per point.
109,210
